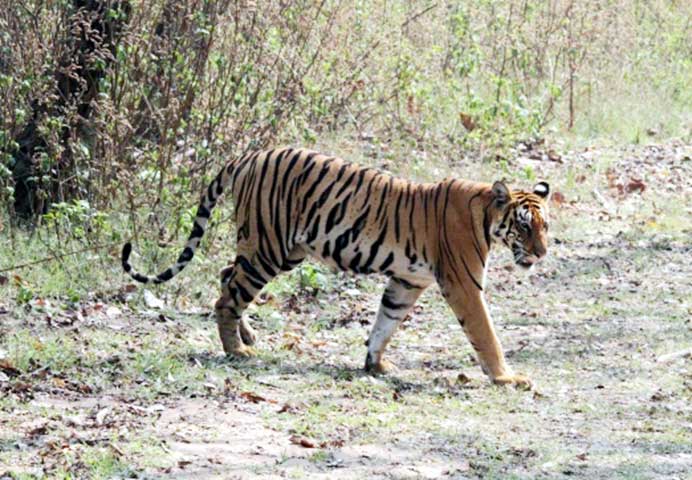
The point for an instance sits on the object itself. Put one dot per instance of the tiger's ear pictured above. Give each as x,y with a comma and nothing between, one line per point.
501,193
542,189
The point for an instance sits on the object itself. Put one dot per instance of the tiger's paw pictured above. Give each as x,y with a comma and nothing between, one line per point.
519,381
379,368
242,351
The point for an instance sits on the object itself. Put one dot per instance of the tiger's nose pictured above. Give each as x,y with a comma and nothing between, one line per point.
540,252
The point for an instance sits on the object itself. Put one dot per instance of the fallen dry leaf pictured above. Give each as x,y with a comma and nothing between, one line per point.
338,443
292,342
553,156
411,108
636,185
538,395
254,398
302,441
288,408
21,387
8,369
659,396
463,379
467,121
38,430
558,198
228,387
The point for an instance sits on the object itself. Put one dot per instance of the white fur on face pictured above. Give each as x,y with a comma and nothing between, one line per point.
524,214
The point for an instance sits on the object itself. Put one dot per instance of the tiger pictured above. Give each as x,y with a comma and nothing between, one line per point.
291,203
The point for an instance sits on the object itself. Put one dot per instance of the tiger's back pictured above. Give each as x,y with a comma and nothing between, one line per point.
354,218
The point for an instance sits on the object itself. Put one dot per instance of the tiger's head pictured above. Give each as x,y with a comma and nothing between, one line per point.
521,222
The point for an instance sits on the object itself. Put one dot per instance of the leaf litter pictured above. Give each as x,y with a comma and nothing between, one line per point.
615,385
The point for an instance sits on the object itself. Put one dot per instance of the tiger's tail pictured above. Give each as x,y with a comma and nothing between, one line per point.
206,205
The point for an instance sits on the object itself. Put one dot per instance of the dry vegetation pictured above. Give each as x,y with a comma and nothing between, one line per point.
103,379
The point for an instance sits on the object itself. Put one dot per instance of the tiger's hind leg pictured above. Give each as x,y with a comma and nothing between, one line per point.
398,298
240,283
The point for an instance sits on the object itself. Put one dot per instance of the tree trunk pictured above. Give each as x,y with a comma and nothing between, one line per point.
46,172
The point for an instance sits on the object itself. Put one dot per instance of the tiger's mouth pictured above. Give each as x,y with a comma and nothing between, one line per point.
523,258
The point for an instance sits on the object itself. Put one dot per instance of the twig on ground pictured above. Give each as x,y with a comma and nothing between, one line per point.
602,200
669,357
57,257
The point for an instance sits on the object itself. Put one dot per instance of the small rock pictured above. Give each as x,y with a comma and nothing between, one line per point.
152,301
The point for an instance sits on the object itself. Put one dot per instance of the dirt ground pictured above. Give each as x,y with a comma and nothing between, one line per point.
132,385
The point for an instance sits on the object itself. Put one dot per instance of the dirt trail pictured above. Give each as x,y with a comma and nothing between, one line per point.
602,326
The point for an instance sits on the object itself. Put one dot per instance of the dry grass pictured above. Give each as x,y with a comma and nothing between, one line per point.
111,387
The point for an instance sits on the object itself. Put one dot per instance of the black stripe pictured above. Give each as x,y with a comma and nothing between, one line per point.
265,264
311,191
476,244
410,216
391,305
287,173
366,198
325,194
244,294
387,261
383,198
347,183
355,262
249,268
197,231
375,247
410,254
486,226
359,224
308,166
406,284
397,221
165,276
186,256
203,212
314,231
140,278
336,214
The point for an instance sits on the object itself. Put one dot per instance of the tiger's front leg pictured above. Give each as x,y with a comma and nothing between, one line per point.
472,314
398,298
